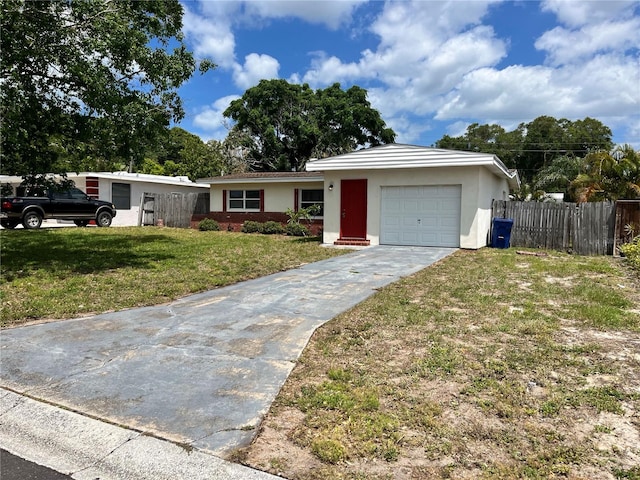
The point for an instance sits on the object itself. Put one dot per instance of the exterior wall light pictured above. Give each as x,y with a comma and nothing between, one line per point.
331,187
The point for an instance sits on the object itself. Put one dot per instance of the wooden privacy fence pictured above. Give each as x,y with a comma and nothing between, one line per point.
584,228
171,209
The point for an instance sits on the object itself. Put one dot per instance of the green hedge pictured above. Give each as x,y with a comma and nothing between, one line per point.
209,225
275,228
272,228
251,226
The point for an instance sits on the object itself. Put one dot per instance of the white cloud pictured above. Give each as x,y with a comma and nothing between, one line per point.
570,46
417,47
327,70
408,128
331,13
208,25
211,119
605,86
457,129
579,13
256,67
211,37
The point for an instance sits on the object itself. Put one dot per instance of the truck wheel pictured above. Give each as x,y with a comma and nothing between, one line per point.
81,223
104,219
32,220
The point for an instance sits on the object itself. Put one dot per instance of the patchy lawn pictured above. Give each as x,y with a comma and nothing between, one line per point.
66,272
488,364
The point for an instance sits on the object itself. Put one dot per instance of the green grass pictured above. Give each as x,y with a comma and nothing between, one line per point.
488,364
66,272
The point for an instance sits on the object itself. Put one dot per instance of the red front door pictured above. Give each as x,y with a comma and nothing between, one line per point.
353,209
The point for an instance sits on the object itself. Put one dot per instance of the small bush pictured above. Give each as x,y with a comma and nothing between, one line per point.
632,252
209,225
272,228
251,226
297,230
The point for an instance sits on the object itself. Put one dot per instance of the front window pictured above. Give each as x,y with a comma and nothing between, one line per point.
244,200
121,195
309,198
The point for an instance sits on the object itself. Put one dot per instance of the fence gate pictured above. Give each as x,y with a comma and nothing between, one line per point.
169,209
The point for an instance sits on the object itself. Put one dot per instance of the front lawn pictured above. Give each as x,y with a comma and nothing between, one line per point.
65,272
489,364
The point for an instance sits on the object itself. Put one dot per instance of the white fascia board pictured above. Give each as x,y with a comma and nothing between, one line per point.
143,178
492,162
232,181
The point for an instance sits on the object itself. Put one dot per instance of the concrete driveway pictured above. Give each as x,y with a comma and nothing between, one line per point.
201,371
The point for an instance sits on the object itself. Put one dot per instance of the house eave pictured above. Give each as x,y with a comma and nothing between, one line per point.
396,156
261,180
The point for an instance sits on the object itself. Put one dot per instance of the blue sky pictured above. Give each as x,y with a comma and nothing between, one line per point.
430,68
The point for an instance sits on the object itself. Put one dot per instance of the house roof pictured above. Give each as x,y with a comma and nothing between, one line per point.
396,155
144,177
121,176
265,177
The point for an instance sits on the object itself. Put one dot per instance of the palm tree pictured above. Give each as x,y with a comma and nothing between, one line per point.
608,176
558,175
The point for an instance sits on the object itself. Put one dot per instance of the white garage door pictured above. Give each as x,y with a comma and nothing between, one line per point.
421,215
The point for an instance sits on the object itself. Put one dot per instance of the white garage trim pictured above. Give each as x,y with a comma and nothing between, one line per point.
421,215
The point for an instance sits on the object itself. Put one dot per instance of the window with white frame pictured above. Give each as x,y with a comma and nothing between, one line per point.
309,198
245,200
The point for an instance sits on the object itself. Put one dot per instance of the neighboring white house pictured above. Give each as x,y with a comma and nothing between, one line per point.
393,194
125,189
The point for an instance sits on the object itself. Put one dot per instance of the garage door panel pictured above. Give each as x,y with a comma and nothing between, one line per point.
421,215
410,222
394,205
391,221
449,222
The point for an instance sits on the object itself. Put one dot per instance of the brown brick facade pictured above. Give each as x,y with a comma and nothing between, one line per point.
232,221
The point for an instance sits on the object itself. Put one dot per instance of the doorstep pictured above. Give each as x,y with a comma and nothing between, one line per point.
354,242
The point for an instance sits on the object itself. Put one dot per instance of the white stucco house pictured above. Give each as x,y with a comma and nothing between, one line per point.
262,196
125,189
392,194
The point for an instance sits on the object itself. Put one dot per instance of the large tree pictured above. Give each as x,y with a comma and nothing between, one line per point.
281,125
183,153
487,139
534,145
88,78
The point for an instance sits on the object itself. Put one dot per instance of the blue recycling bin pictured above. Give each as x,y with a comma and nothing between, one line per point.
501,232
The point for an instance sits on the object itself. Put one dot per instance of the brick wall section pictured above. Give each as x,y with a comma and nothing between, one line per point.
232,221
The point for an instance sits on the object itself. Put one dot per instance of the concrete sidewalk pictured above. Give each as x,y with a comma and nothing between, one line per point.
201,371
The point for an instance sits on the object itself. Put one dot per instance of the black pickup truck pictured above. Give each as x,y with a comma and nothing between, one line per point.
63,204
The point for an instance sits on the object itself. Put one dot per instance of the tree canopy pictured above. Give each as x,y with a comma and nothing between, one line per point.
279,126
88,78
183,153
534,145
